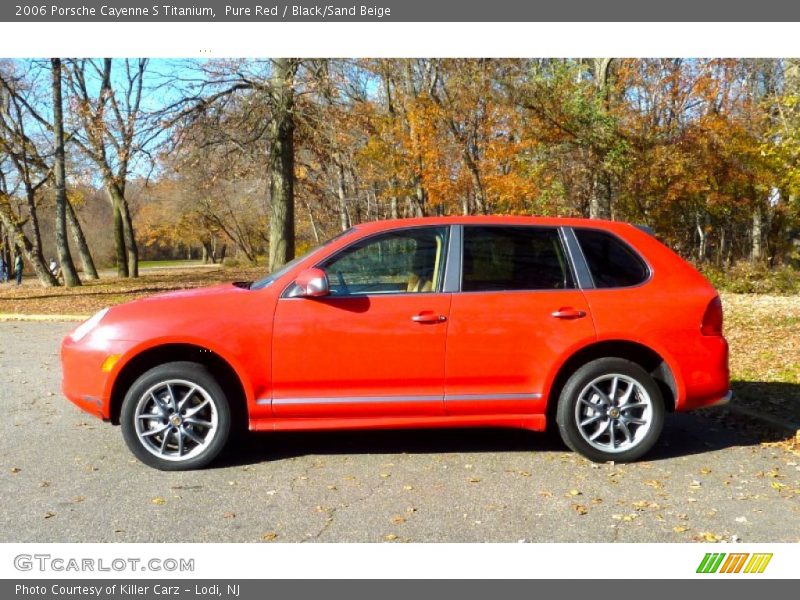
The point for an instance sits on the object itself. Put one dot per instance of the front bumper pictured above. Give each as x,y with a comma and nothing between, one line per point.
84,382
722,401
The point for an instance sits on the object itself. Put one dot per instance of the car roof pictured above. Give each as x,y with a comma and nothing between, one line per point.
490,220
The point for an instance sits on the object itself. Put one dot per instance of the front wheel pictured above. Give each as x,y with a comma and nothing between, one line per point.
610,409
176,417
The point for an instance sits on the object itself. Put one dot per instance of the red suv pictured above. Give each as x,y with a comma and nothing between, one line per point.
437,322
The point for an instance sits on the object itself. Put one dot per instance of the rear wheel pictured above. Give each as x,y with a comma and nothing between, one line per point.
176,417
610,409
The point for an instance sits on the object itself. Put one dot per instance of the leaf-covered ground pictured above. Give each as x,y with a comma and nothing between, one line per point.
763,330
33,299
764,336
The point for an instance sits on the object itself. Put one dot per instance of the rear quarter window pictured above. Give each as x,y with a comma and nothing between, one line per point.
611,261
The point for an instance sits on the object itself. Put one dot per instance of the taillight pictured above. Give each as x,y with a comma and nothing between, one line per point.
712,319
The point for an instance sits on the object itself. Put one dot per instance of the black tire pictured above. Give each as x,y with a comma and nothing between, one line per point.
205,416
617,419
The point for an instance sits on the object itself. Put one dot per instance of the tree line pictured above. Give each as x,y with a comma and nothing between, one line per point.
263,158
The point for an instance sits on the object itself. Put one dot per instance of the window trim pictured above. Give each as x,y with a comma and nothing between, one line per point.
625,244
446,246
583,275
452,270
567,257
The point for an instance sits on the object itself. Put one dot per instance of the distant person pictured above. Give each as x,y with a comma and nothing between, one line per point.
18,269
55,269
3,270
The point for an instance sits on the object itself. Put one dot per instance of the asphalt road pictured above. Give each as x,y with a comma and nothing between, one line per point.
67,477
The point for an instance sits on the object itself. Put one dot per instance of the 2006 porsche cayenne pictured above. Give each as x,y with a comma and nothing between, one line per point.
438,322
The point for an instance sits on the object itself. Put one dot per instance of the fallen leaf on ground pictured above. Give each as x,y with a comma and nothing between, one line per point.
580,509
680,528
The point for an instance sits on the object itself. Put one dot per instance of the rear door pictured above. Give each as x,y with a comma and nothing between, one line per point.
517,313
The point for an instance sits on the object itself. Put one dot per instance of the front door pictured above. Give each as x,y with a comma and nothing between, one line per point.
376,345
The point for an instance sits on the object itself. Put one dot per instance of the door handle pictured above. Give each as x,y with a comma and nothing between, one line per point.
428,318
567,312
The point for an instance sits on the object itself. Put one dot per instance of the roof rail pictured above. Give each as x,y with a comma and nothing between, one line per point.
646,228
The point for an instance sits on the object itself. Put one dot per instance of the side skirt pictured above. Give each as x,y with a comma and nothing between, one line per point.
531,422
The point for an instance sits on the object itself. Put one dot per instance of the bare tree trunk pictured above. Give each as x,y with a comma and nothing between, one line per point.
344,216
119,238
34,255
702,239
33,214
419,196
131,248
71,278
600,206
127,251
5,249
87,261
478,196
281,167
311,218
757,234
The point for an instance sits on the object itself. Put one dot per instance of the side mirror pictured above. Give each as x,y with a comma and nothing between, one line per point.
311,283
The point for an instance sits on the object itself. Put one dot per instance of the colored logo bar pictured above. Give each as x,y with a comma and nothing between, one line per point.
735,562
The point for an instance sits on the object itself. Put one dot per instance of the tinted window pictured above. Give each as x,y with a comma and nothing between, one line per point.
409,260
513,258
611,262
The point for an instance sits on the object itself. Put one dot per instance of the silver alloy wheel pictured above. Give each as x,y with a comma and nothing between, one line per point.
614,412
176,420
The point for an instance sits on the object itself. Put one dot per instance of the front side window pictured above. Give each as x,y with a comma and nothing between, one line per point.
611,262
513,258
403,261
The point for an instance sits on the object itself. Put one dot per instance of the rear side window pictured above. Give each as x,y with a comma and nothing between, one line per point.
513,258
612,263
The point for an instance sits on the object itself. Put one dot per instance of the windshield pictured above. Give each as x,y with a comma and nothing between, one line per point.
262,283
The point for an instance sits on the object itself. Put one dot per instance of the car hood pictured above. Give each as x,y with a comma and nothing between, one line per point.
195,293
179,312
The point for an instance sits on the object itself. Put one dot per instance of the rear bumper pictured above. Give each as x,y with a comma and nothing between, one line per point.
704,368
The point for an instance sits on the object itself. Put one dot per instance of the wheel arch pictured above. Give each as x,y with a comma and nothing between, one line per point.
647,358
220,368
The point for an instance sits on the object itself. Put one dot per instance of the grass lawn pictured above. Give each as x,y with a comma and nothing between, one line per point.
763,331
168,264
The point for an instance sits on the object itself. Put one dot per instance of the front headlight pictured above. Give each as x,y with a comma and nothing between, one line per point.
85,327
